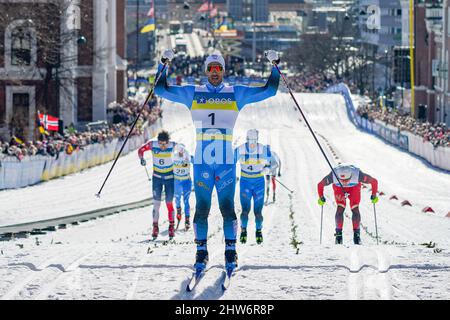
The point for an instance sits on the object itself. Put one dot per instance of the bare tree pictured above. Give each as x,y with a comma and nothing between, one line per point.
54,61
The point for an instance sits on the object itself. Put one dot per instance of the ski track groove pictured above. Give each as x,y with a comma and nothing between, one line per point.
71,270
41,270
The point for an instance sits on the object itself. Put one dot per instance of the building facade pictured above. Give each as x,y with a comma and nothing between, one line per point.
245,10
437,19
381,23
61,58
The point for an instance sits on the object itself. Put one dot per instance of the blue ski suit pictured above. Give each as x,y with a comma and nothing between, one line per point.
252,183
183,182
214,111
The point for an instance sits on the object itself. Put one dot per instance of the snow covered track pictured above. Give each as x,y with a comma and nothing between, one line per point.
8,232
111,258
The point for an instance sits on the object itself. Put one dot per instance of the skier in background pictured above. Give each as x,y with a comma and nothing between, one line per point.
183,183
253,157
275,163
163,177
351,178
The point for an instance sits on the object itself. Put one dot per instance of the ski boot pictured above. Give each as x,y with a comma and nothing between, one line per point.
201,258
356,237
274,197
155,231
338,236
231,260
259,237
179,214
187,224
171,230
243,237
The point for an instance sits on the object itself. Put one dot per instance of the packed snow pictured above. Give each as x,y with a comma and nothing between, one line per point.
111,258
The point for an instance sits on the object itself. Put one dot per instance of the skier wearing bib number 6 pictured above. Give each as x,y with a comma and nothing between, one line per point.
163,177
214,109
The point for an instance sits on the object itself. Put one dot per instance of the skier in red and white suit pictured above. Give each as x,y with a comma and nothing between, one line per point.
351,179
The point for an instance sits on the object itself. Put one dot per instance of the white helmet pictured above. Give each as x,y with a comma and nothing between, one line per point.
344,171
215,57
252,135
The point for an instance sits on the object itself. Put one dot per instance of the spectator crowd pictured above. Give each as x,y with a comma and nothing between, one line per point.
120,119
437,134
307,82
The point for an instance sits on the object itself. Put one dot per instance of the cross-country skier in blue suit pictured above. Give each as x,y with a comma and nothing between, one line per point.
214,108
253,158
183,183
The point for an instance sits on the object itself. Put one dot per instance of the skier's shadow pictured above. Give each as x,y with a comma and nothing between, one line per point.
213,292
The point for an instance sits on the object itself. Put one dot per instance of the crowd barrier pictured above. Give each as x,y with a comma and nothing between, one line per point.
438,157
31,170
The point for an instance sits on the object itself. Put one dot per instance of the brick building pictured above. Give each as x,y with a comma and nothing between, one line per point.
425,52
432,44
64,58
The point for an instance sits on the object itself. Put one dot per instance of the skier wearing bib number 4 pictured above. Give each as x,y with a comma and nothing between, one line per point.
163,177
183,183
351,179
214,109
253,157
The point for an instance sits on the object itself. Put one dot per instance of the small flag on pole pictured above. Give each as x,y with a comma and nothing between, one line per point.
48,122
149,26
150,23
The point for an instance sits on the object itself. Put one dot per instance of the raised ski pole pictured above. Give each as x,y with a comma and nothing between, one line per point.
309,127
284,186
150,94
321,220
376,226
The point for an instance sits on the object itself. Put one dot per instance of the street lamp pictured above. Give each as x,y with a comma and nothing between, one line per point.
81,40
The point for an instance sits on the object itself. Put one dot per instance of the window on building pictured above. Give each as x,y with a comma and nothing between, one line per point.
21,43
399,12
19,122
21,100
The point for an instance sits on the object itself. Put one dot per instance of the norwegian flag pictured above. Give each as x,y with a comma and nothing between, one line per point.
50,123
